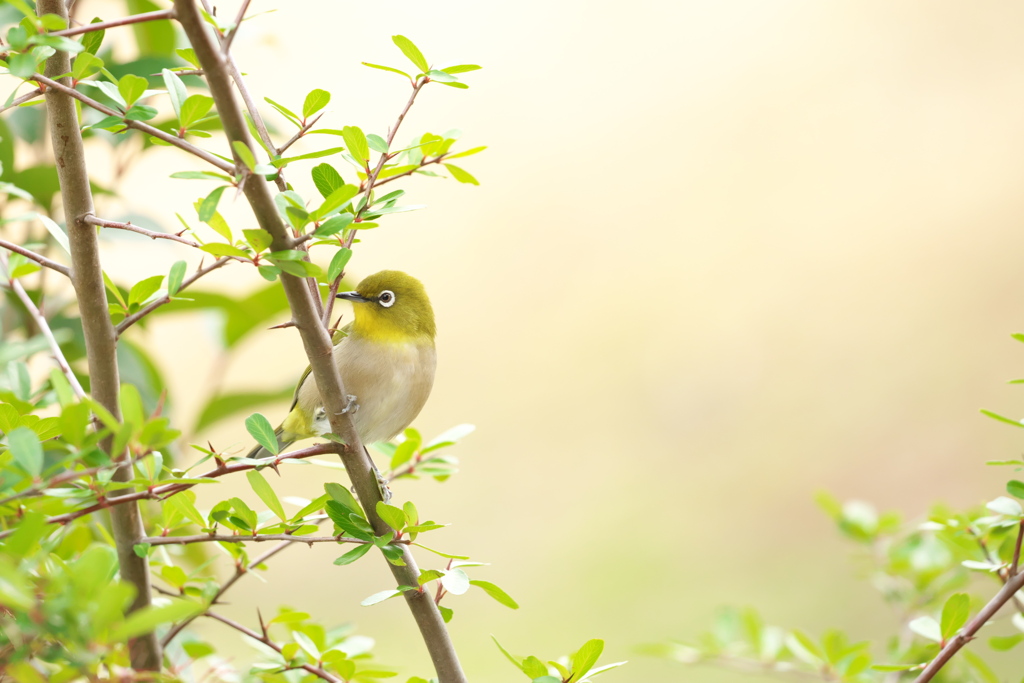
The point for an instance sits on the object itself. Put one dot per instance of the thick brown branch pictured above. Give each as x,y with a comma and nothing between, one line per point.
100,338
137,125
103,223
1016,550
124,21
317,344
165,299
38,258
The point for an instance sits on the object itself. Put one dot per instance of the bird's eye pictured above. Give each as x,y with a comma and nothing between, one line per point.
386,298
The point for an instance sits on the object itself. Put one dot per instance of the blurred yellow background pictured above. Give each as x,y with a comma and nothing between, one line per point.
724,255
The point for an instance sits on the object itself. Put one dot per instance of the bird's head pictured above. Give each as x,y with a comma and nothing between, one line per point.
391,306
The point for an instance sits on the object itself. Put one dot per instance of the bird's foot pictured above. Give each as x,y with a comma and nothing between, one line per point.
351,406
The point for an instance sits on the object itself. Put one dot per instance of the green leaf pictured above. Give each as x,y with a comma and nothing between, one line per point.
26,450
259,239
315,101
516,661
441,77
460,68
354,554
208,207
334,225
92,40
585,658
326,178
377,143
926,627
244,154
455,582
387,68
56,231
219,249
175,89
410,50
954,614
85,65
1015,488
132,409
266,493
29,530
143,289
259,428
338,263
1000,418
496,593
468,152
287,113
356,143
394,517
380,597
535,669
131,88
344,497
193,109
189,55
340,197
280,163
152,37
175,278
464,176
148,618
1003,643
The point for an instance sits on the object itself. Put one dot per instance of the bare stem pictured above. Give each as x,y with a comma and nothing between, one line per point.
1016,550
100,338
22,99
226,43
137,125
166,298
124,21
44,327
38,258
318,349
254,538
102,222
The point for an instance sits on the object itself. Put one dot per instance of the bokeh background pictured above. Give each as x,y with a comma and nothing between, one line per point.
723,255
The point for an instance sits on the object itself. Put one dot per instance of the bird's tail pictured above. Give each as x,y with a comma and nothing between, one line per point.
283,441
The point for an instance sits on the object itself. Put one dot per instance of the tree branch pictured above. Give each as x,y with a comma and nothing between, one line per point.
1016,550
44,327
137,125
315,670
124,21
165,299
152,234
21,100
38,258
318,349
966,634
254,538
100,338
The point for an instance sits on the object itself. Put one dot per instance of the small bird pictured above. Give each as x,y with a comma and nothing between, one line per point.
386,358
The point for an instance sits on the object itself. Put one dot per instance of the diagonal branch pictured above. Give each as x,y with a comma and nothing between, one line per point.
253,538
124,21
40,320
152,234
38,258
137,125
22,99
166,298
318,348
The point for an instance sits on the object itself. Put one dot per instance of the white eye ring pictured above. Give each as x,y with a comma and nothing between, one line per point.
387,298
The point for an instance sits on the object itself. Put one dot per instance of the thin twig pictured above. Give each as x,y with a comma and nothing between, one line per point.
104,223
226,43
62,478
137,125
954,644
44,327
315,670
253,538
165,491
332,293
1001,574
436,160
21,100
305,128
1016,550
166,298
123,21
38,258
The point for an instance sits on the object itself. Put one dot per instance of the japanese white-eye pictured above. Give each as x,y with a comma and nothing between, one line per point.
386,358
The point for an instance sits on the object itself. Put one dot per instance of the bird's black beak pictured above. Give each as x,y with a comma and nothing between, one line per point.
353,296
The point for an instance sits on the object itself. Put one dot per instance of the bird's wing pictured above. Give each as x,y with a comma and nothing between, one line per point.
335,340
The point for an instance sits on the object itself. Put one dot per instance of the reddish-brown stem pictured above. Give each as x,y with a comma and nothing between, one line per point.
38,258
137,125
226,43
124,21
954,644
104,223
1016,550
315,670
165,299
22,99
